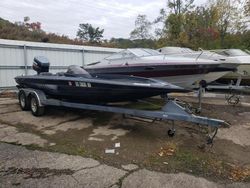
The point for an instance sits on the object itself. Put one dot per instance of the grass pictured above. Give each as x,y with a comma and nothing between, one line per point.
68,148
188,160
191,162
197,163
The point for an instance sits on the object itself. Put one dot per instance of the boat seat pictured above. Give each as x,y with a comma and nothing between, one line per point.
77,71
60,73
46,73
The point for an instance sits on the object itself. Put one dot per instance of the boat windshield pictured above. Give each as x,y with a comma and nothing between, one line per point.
175,50
233,52
187,50
120,55
144,52
133,52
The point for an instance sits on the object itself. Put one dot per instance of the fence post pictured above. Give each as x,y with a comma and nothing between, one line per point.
25,59
83,57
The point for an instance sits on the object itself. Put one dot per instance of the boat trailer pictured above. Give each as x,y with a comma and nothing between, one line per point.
36,100
232,91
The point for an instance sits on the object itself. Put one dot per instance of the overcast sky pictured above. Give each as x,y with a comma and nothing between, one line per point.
116,17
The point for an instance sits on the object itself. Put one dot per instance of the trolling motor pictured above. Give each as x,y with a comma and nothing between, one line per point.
41,64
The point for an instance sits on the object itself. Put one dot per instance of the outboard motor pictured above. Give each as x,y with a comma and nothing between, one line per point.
41,64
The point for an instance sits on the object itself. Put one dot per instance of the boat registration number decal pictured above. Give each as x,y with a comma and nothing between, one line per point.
80,84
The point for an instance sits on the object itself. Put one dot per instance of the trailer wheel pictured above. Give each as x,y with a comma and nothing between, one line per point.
36,109
171,132
23,101
203,83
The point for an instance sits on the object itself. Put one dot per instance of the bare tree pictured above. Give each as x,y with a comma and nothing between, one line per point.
142,28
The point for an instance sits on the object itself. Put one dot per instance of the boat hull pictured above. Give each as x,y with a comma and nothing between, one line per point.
181,75
212,76
185,81
93,90
227,80
243,70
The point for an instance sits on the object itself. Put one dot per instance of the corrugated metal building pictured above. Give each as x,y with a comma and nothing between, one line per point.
16,57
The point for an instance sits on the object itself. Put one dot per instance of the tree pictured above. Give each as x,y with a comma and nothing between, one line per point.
160,32
174,22
247,8
90,34
142,28
200,27
127,43
229,17
34,26
26,19
180,6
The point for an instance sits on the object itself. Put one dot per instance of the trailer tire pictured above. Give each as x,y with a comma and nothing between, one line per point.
35,107
24,101
203,83
171,132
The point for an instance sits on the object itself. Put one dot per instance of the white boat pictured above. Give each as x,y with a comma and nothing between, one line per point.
231,58
181,71
239,57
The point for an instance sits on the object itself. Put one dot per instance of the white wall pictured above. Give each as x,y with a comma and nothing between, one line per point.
16,57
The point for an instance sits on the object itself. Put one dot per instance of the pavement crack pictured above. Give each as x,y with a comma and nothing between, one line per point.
66,121
4,126
6,123
2,113
36,173
119,183
72,175
76,180
86,168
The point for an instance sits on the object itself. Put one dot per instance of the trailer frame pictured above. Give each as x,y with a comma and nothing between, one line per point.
36,101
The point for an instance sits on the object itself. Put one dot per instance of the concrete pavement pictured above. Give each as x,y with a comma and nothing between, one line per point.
20,167
82,133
